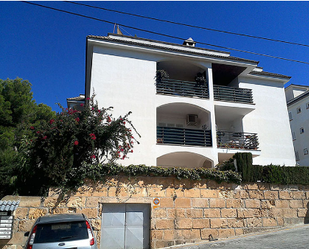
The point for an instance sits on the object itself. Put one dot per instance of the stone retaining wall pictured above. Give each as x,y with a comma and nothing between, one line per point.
189,211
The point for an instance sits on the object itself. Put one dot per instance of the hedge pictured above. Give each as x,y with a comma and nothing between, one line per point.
275,174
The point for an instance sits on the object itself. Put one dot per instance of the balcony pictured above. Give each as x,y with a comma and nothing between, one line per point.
237,140
232,94
182,88
182,136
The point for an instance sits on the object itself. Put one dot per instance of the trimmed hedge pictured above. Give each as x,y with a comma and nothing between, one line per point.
271,173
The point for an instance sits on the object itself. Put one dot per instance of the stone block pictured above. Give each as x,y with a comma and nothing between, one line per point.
233,223
171,213
31,201
209,193
92,202
156,234
183,223
234,203
282,203
190,234
159,213
228,213
253,222
77,202
296,204
156,192
298,195
269,222
216,203
200,223
35,213
192,193
205,233
285,195
301,212
168,235
183,203
200,202
271,195
218,223
255,203
241,194
212,213
21,213
166,202
251,186
181,213
91,213
289,213
245,213
197,213
96,224
256,194
239,231
25,225
226,233
164,224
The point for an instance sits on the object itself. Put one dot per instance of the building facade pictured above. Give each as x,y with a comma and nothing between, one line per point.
297,97
193,107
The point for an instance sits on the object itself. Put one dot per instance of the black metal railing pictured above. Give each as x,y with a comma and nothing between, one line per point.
232,94
182,88
174,135
237,140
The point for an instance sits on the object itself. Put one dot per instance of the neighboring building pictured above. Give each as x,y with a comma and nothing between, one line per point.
297,98
76,103
211,106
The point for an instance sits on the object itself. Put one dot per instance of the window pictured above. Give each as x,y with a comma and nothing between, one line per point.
305,151
293,135
296,155
302,130
298,110
290,115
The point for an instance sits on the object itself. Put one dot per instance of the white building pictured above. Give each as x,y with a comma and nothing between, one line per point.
235,107
297,98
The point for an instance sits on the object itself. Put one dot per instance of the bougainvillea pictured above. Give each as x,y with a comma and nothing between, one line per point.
74,138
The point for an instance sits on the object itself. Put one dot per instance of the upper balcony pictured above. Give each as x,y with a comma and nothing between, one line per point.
182,88
233,94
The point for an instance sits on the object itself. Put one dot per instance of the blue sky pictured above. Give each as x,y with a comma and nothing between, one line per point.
47,47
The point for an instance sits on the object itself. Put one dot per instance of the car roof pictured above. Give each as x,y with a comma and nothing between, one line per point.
57,218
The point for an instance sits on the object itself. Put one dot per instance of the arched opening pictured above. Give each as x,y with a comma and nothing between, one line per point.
184,160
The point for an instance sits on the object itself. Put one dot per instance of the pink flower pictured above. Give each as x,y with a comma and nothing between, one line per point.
93,156
99,111
51,121
44,137
38,132
109,119
31,127
92,135
81,104
76,142
77,119
131,151
88,98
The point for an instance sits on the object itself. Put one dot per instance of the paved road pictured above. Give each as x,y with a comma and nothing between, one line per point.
289,238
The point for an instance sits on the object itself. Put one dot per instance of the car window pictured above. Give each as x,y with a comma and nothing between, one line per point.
56,232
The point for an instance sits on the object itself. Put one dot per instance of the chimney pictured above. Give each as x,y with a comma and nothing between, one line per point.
189,42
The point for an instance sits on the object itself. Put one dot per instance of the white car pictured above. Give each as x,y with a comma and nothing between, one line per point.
61,231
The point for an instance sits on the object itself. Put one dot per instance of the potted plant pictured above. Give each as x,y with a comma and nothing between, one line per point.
161,75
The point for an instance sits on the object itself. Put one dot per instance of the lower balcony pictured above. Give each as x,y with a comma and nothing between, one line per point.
237,140
183,136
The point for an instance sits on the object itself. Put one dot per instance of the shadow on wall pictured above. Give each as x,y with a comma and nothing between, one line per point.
306,219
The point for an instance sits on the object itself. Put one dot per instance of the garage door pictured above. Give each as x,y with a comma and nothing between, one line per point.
125,226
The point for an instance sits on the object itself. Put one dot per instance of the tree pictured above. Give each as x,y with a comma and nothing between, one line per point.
65,149
18,111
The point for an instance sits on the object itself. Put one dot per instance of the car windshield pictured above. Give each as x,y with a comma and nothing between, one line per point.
57,232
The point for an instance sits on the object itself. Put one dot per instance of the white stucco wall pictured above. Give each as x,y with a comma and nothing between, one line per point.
270,121
128,84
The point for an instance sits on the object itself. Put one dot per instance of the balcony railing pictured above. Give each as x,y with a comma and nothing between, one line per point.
174,135
232,94
182,88
237,140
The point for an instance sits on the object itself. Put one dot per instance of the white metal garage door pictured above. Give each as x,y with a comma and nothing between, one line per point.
125,226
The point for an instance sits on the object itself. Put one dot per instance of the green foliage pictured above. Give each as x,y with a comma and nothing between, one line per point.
18,111
226,165
99,171
65,149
